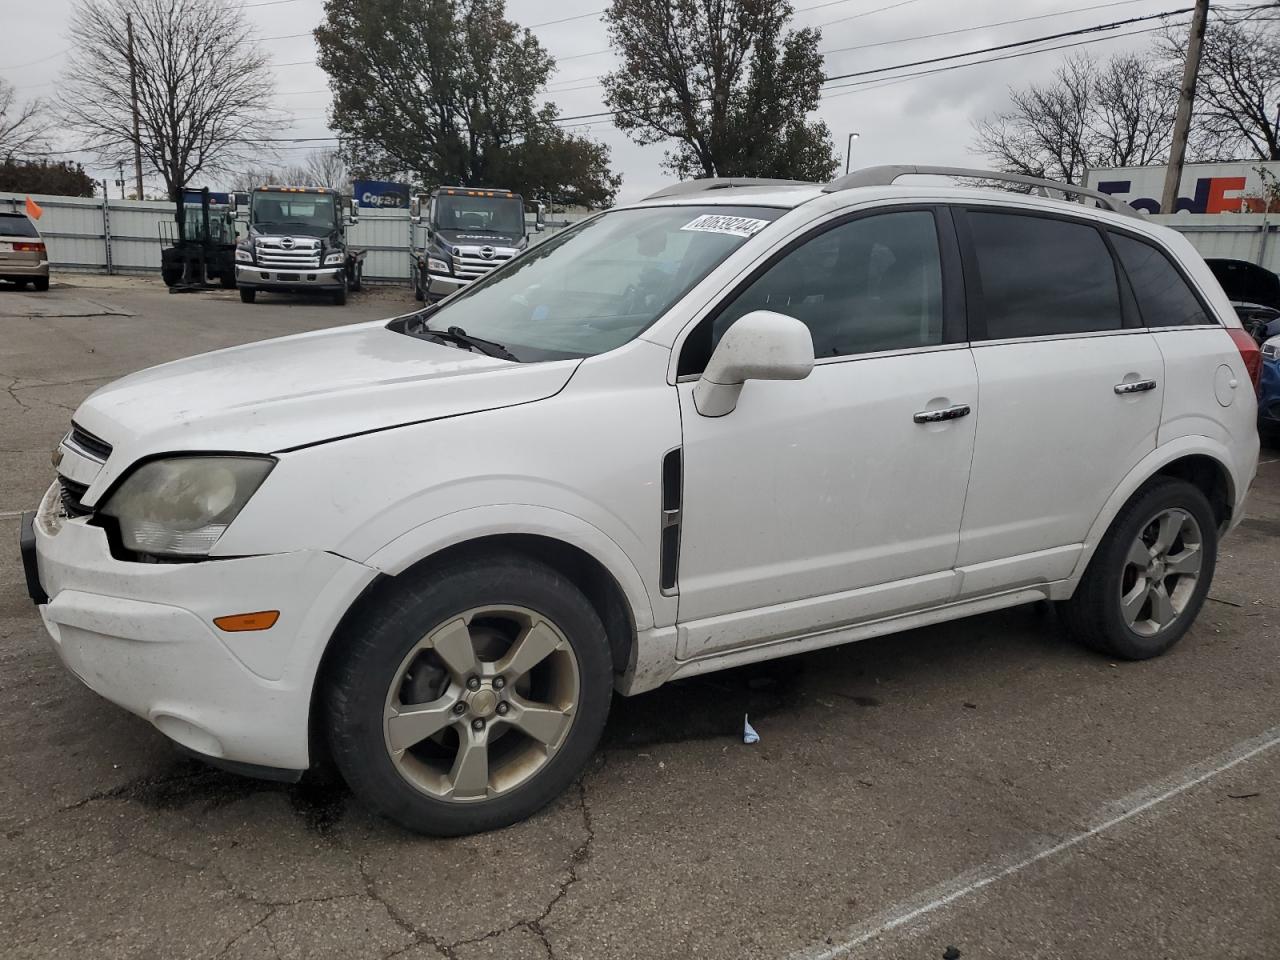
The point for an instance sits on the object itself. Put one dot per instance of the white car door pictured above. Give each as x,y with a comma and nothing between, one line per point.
837,498
1071,385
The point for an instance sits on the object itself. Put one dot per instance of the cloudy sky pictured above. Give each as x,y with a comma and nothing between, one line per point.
920,119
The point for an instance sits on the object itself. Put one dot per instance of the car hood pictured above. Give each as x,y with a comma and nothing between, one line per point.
296,391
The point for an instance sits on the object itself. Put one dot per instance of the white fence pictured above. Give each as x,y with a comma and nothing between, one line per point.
93,235
123,236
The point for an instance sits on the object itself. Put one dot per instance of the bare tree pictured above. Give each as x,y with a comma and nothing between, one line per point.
1238,91
22,127
1111,114
321,168
327,168
203,85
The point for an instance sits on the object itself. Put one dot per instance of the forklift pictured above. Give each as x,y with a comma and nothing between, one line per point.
198,247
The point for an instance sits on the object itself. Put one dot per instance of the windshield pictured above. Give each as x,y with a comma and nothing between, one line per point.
480,214
597,286
311,213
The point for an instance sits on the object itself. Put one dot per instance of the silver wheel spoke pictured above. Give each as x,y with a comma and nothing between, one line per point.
543,722
1139,554
470,773
1167,530
452,643
530,648
1162,611
1186,563
413,724
1133,601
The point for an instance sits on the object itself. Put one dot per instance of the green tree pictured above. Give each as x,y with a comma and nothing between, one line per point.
62,179
448,92
726,80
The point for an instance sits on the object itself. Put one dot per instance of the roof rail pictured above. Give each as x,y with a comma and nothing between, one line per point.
886,175
721,183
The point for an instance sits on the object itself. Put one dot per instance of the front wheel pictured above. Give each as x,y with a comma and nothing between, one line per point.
472,698
248,295
340,297
357,278
1150,575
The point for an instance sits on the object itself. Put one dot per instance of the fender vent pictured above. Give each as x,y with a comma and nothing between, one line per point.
670,546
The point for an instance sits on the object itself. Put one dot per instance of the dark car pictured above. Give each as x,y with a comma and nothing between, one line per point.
1254,291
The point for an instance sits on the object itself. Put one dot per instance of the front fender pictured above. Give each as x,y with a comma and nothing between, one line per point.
473,523
1144,470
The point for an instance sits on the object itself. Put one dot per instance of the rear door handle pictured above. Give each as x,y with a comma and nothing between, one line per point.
946,413
1135,386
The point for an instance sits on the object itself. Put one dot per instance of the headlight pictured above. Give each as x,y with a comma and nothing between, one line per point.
437,266
180,506
244,255
333,258
1271,349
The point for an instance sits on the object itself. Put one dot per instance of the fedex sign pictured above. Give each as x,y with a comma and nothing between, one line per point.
1205,187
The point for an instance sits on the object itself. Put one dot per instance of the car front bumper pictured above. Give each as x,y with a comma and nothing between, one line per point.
272,280
440,286
142,636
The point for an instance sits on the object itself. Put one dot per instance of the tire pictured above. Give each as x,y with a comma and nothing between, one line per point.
417,291
171,277
19,284
41,284
1096,614
228,280
340,297
357,278
248,295
371,674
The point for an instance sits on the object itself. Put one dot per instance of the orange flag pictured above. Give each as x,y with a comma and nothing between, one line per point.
34,210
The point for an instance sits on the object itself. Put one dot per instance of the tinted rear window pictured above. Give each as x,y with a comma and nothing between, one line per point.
1042,277
16,225
1164,299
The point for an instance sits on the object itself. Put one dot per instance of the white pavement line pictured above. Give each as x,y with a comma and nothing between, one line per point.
972,881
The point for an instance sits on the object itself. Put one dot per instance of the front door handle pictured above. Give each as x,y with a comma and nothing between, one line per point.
1135,386
946,413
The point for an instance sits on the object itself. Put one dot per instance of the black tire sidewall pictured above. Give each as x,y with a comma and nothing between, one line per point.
357,684
1122,639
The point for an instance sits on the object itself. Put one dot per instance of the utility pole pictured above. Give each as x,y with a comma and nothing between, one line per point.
133,91
1186,99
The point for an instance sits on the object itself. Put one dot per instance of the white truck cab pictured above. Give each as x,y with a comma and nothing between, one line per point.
734,421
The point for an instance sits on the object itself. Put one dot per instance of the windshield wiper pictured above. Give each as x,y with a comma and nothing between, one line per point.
463,339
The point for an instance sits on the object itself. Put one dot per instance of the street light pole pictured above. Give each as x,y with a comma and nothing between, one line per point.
848,151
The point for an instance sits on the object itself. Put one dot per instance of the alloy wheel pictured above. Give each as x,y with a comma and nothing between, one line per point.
481,703
1161,571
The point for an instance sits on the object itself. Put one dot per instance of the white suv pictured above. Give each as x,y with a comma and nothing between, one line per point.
735,421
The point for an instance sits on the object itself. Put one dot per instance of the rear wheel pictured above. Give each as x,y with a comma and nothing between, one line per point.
357,278
41,284
1150,575
247,295
171,276
472,698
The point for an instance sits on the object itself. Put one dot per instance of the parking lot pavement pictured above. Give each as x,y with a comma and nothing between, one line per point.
984,785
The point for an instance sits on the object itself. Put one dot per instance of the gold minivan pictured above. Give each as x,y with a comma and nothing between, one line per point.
23,255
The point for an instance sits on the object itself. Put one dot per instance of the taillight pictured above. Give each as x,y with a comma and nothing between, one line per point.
1249,353
22,246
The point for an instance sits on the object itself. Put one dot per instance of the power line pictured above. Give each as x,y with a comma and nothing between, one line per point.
1097,28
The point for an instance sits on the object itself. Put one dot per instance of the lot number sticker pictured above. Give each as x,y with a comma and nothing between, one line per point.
734,226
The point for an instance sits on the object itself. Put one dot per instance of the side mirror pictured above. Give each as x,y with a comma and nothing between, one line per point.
762,345
240,206
353,216
415,210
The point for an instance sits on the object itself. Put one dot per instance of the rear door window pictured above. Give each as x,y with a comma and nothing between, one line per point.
1042,277
16,225
1164,298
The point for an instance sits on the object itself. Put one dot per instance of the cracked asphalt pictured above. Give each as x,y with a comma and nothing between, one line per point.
984,786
